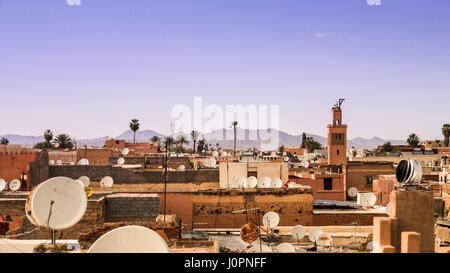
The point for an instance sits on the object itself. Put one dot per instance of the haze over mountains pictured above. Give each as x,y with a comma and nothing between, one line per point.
284,139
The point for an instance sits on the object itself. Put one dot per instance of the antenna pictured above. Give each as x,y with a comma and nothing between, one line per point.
130,239
2,184
107,182
271,220
252,182
298,232
249,232
352,192
14,185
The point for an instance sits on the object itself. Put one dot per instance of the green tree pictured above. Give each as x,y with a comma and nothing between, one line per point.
64,141
181,139
446,133
281,149
134,126
304,139
168,142
156,139
201,145
234,124
413,140
4,141
194,135
387,147
48,136
312,145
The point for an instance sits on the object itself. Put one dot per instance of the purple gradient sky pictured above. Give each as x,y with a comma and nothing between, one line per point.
87,70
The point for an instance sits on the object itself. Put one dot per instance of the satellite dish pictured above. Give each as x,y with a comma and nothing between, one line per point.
273,154
240,182
2,184
304,163
264,182
259,248
271,219
276,183
83,161
60,197
181,168
72,163
367,199
249,232
130,239
212,162
215,153
223,153
298,232
409,172
59,162
56,145
252,182
14,185
121,161
86,181
352,192
284,153
286,159
107,182
284,248
369,245
51,162
80,182
324,239
314,234
125,151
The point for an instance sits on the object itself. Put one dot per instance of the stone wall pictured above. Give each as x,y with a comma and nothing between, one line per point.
127,206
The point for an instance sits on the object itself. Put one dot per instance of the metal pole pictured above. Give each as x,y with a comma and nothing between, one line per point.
165,183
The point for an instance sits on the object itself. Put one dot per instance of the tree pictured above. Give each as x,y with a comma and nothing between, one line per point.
134,126
201,145
281,149
4,141
234,124
194,135
181,139
64,141
48,136
387,147
413,140
304,138
446,133
168,142
312,145
156,139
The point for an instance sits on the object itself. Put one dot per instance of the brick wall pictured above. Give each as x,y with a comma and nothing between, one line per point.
14,164
38,170
123,206
95,156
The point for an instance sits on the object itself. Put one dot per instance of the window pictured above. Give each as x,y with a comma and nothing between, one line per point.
328,184
337,151
117,142
369,180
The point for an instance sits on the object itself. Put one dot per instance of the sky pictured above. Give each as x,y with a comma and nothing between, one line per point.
87,69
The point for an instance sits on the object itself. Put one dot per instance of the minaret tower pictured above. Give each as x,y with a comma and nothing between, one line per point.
337,137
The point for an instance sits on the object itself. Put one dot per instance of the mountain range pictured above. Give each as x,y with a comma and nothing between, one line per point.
284,139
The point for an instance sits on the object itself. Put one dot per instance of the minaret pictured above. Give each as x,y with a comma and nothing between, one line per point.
337,137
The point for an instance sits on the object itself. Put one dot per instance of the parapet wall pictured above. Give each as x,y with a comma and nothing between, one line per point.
14,164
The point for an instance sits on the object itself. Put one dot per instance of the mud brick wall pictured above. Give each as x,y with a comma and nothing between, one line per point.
125,207
75,171
213,208
14,207
342,219
128,159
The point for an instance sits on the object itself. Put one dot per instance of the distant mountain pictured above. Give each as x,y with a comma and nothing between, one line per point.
218,136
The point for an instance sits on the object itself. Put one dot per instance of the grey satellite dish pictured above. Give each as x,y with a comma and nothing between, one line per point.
125,151
86,181
130,239
264,182
121,161
58,203
298,232
409,172
271,219
252,182
352,192
2,184
276,183
14,185
314,234
284,248
107,182
259,248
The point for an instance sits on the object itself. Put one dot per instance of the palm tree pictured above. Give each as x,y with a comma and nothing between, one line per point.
4,141
156,139
194,135
168,142
181,139
48,136
64,141
446,133
234,124
413,140
134,126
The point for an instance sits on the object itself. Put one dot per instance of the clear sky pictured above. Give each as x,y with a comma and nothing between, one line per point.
87,70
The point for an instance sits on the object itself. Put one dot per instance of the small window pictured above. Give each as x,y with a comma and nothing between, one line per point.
328,184
369,180
337,152
117,142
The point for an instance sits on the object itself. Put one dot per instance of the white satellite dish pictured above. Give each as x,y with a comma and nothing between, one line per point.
304,163
212,162
223,153
14,185
366,199
284,248
83,161
286,159
56,145
107,182
181,168
60,197
121,161
86,181
252,182
276,183
264,182
215,153
324,239
59,162
259,248
352,192
130,239
2,184
298,232
125,151
314,234
80,182
271,219
51,162
72,163
284,153
240,182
